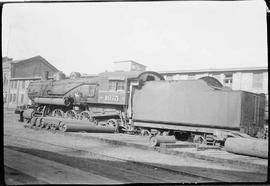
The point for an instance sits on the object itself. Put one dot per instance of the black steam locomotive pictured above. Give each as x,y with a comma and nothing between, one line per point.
145,102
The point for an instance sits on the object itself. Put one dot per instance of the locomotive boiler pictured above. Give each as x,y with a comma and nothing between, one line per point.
144,102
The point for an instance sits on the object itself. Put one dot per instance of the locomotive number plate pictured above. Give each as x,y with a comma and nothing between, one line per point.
112,98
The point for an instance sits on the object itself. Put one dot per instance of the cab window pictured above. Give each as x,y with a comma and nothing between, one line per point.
116,85
120,85
112,85
91,91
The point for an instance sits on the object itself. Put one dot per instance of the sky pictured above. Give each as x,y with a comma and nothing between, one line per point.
169,35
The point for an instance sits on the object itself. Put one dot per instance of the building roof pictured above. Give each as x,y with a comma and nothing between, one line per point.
215,70
128,74
6,59
31,68
35,58
129,61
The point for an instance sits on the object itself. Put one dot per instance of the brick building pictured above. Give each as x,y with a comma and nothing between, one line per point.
16,77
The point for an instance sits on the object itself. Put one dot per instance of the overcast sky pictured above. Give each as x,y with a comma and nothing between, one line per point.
88,37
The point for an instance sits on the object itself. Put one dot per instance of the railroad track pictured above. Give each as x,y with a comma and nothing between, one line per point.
131,170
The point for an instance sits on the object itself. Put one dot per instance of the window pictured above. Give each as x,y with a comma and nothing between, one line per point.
256,110
257,81
116,85
15,84
14,98
22,98
23,84
91,91
133,67
5,79
120,85
228,80
112,85
10,98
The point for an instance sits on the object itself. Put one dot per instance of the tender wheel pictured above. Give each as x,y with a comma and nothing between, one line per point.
58,113
71,114
182,136
199,139
165,133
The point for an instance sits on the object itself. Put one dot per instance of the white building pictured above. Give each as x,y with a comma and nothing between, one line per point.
252,79
128,66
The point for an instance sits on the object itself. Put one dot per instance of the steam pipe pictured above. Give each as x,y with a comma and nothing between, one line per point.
54,101
68,127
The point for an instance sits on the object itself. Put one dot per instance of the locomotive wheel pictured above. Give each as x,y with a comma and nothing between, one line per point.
39,109
60,125
38,122
85,115
53,127
63,127
33,121
112,123
71,114
47,111
42,124
56,126
48,126
58,113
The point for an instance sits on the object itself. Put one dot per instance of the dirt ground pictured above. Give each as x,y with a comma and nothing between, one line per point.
56,158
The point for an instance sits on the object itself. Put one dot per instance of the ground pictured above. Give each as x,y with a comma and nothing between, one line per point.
43,157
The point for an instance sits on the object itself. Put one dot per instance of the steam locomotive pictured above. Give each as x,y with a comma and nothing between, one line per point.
144,102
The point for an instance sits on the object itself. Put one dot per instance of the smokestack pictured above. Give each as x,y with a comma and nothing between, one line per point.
45,75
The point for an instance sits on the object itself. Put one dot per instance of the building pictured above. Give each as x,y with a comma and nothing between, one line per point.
76,75
128,66
17,75
252,79
5,76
